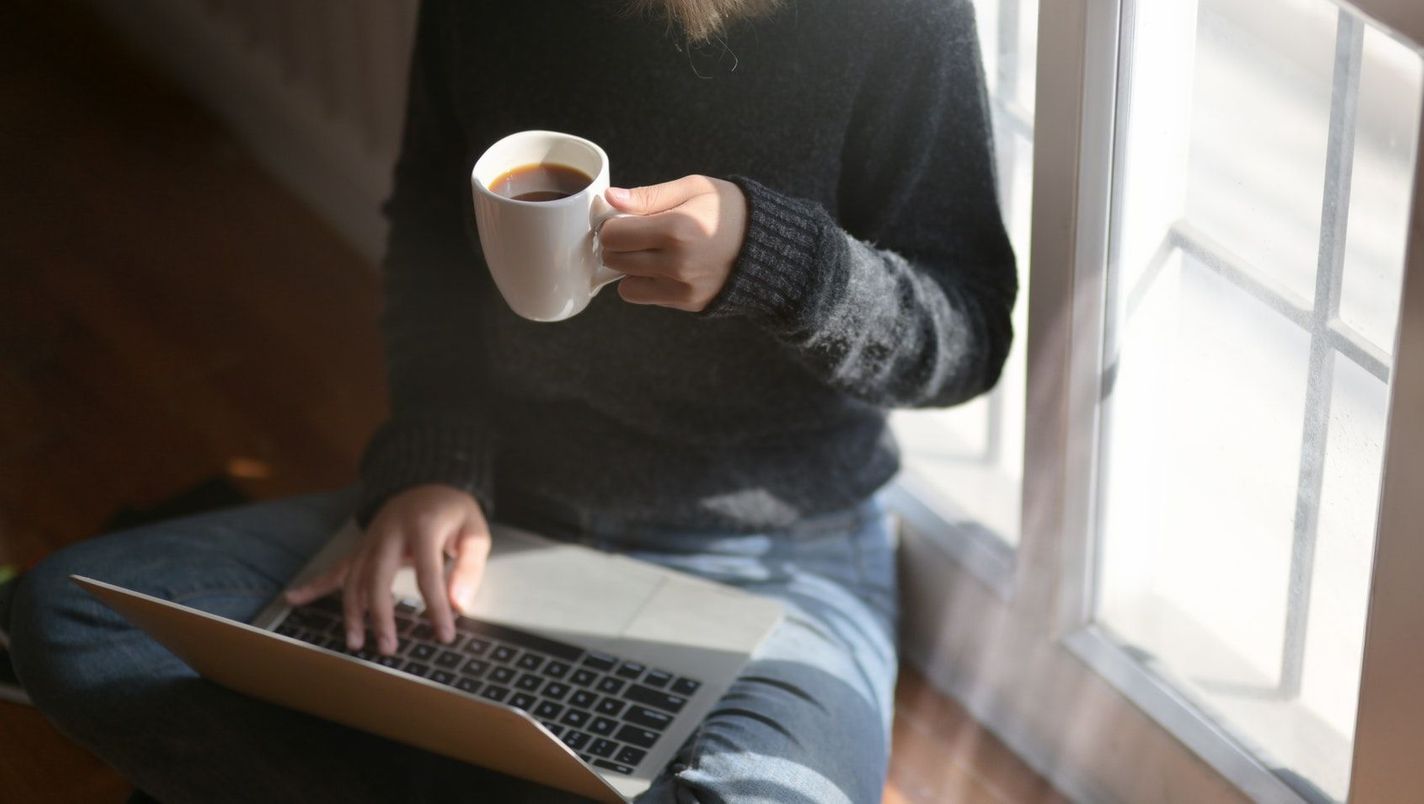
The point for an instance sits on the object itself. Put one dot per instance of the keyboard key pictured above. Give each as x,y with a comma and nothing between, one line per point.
468,685
393,662
583,699
529,682
502,675
575,739
289,629
338,645
553,727
524,639
422,652
422,632
448,659
417,669
503,653
641,737
655,698
657,678
648,718
630,669
330,604
685,686
443,677
600,661
602,747
548,710
521,700
475,667
495,693
531,662
602,726
586,758
630,755
584,678
575,717
613,766
610,707
556,669
404,625
610,686
556,690
477,646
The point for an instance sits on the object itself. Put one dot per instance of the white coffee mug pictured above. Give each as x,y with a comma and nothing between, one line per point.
544,255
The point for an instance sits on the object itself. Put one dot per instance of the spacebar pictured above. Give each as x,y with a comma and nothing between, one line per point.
524,639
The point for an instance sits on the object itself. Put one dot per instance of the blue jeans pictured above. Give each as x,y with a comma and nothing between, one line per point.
808,721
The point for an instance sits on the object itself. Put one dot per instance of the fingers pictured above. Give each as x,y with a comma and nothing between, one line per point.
353,605
430,576
662,292
381,565
660,231
637,263
471,552
658,197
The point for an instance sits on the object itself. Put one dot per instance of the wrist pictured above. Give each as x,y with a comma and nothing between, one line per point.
777,272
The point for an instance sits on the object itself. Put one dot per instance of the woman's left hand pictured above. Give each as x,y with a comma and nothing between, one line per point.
680,249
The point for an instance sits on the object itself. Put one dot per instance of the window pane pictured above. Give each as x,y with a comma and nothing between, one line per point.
1242,421
971,457
1260,104
1374,256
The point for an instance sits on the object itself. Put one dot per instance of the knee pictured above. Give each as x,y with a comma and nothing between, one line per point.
55,628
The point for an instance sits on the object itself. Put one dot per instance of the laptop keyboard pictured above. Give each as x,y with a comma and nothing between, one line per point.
609,710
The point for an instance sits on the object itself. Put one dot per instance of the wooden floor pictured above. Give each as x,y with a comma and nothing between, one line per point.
168,313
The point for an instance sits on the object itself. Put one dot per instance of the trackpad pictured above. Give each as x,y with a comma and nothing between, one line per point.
550,586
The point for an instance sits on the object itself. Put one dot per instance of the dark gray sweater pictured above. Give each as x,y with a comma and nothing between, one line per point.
875,272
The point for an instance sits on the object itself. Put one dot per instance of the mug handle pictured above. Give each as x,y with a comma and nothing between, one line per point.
603,213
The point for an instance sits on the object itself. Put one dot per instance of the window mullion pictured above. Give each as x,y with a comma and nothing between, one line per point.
1329,276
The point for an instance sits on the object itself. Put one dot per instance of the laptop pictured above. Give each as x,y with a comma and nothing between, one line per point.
575,668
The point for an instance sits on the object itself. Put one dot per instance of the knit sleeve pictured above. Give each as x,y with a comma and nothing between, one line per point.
902,298
439,430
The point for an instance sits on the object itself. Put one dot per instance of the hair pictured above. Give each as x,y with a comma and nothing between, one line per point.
704,19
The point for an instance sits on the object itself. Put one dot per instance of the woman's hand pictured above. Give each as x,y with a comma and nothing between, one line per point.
680,250
419,526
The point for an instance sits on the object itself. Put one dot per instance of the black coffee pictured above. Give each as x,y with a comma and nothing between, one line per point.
543,181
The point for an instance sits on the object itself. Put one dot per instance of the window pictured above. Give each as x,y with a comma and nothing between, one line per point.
1263,185
966,464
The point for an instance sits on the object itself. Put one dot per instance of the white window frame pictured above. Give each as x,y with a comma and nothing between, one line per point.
1009,648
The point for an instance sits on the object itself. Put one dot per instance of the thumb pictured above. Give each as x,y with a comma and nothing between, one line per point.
471,552
656,198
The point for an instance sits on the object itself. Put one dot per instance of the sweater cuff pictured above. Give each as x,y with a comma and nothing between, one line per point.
775,276
410,452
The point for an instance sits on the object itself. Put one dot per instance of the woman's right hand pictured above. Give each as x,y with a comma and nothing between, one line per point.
421,526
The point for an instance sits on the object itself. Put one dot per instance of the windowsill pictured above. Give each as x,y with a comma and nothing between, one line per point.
928,521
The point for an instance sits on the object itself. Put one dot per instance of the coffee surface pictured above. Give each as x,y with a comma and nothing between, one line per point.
542,181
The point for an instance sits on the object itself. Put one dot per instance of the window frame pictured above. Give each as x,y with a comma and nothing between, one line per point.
961,642
989,555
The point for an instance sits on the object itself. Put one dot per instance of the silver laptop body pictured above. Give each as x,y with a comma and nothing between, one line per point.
573,667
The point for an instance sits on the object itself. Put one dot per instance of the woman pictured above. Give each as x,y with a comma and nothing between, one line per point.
723,413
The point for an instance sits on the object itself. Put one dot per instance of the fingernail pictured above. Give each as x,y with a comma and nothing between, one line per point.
388,645
618,195
447,635
353,639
